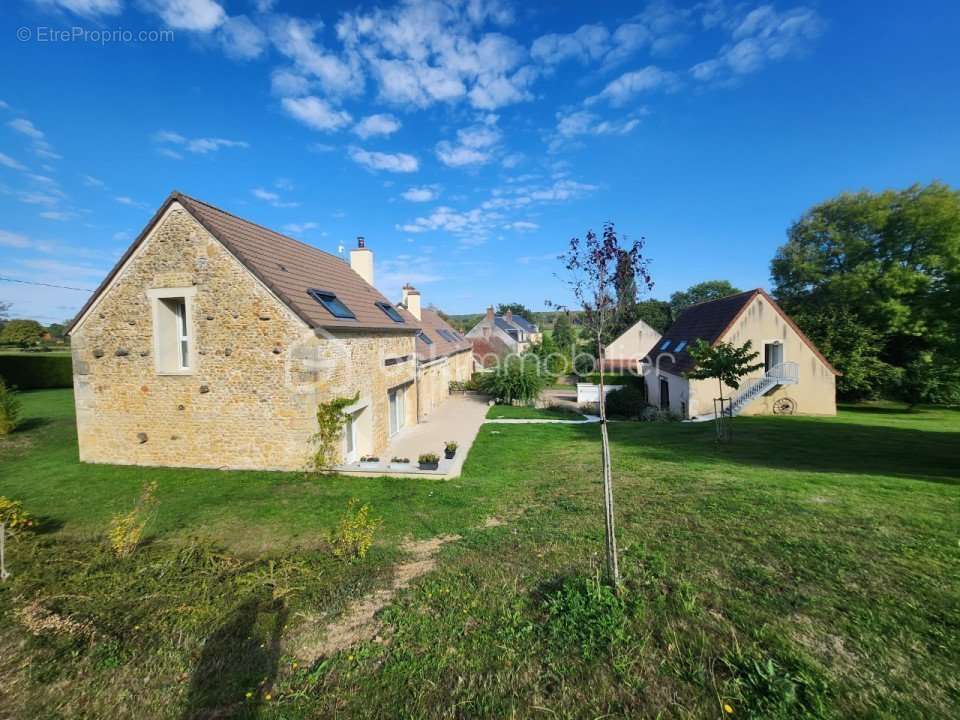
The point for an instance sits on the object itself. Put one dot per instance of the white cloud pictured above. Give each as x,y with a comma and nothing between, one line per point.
474,146
630,84
59,215
25,127
391,162
762,35
288,83
299,228
91,181
294,38
589,42
194,15
14,240
38,198
273,198
125,200
522,225
380,124
420,194
86,8
572,125
316,113
9,162
421,53
241,39
198,146
121,236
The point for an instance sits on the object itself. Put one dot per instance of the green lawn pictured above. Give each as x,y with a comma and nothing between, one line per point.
811,568
522,412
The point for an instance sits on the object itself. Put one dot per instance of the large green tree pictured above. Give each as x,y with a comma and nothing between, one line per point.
21,332
889,259
517,309
655,313
701,292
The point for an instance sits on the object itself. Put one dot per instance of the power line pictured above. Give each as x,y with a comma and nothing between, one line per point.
62,287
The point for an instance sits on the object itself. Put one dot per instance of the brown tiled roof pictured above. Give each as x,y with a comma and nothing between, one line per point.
710,321
486,350
287,266
431,322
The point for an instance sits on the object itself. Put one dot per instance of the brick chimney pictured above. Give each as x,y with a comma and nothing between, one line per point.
411,299
361,260
489,317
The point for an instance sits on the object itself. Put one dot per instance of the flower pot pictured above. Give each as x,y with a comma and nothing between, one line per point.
429,466
448,454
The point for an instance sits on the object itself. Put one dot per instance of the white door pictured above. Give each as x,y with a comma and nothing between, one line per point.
350,438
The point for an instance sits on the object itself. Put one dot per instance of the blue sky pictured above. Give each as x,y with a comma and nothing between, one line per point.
466,140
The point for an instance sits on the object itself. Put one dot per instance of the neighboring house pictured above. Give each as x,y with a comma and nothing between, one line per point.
515,332
796,378
444,355
488,352
212,341
627,351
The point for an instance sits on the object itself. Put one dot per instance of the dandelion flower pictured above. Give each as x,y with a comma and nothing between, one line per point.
727,709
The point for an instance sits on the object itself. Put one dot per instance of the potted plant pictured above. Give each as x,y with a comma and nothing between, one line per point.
402,461
450,449
369,460
429,461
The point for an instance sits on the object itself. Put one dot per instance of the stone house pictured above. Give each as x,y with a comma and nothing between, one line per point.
213,339
796,378
626,352
444,355
515,332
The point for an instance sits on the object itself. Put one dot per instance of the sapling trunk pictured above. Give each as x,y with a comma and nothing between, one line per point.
613,568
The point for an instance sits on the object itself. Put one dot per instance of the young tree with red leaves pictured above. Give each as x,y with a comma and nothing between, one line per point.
593,266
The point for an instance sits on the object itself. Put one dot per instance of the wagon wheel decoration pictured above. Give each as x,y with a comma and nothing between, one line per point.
785,406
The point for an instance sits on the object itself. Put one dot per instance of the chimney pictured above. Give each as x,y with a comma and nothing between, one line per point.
489,317
508,316
361,260
411,299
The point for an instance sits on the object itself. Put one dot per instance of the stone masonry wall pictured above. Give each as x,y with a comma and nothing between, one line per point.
258,371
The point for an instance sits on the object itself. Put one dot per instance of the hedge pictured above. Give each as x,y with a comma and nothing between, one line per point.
31,371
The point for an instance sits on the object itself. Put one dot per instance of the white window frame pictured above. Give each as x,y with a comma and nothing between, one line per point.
156,297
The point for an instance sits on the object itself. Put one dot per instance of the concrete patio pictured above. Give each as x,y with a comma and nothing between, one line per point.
458,419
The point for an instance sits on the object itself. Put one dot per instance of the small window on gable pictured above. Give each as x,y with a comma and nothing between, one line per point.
426,338
172,335
390,311
680,346
665,345
331,303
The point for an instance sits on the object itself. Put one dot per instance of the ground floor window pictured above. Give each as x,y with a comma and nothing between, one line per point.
350,437
398,410
664,394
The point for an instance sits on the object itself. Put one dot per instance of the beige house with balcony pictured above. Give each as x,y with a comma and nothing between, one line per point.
213,340
796,378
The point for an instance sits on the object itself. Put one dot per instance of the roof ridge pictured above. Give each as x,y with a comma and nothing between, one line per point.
725,297
176,194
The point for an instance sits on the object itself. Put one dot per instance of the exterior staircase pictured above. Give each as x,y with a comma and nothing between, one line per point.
787,373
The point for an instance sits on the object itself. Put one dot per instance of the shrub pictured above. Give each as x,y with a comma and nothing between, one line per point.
33,371
126,530
517,379
353,535
585,611
14,517
450,446
428,459
330,421
9,409
626,403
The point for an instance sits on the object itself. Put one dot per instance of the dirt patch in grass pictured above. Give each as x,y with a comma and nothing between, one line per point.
359,622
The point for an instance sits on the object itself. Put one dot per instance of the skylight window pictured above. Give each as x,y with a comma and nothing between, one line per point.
665,345
447,335
426,338
391,311
680,346
332,303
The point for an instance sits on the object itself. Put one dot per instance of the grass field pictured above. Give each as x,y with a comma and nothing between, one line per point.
811,568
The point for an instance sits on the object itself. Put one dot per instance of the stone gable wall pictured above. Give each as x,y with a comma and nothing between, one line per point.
258,370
